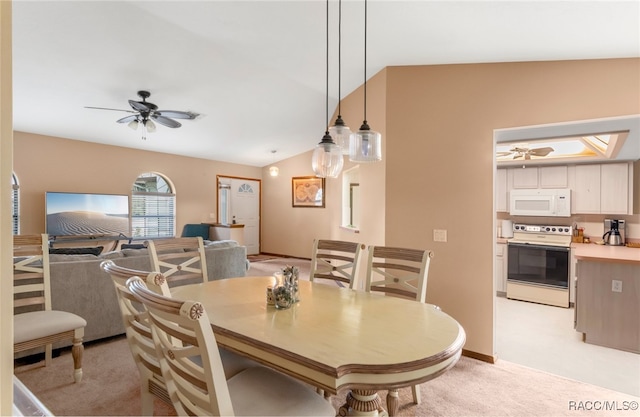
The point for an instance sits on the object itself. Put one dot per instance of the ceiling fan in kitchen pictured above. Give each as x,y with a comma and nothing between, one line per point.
523,151
144,114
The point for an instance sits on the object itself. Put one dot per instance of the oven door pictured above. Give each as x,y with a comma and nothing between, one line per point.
538,265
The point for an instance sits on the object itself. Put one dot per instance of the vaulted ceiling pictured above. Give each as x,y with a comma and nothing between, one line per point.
255,70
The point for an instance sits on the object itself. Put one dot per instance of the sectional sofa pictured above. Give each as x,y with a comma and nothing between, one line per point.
79,285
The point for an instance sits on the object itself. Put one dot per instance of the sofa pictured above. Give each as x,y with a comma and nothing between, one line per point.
79,285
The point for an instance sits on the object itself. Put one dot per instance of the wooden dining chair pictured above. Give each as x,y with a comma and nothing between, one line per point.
335,260
181,260
138,335
35,323
181,332
399,272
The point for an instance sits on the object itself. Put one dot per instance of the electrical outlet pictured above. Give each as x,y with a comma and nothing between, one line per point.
616,286
439,235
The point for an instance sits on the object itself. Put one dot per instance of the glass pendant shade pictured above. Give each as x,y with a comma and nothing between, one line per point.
341,134
133,124
365,145
327,158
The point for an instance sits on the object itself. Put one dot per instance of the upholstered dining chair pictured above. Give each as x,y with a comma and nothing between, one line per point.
35,323
181,260
138,335
335,260
399,272
182,331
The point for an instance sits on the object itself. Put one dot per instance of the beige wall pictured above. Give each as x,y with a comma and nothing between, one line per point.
440,160
6,244
44,163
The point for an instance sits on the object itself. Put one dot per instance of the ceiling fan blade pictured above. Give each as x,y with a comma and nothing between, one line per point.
178,114
541,151
518,155
105,108
504,153
165,121
142,106
127,119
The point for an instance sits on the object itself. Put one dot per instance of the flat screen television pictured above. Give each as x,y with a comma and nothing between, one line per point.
69,214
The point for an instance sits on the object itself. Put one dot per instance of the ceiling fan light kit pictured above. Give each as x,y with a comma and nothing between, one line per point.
327,159
145,113
365,145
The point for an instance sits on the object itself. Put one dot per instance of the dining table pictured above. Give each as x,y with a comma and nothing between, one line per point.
333,338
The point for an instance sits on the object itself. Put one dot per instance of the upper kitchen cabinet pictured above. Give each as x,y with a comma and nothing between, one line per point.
602,188
540,177
502,202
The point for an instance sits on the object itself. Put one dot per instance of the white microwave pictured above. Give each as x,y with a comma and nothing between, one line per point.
544,202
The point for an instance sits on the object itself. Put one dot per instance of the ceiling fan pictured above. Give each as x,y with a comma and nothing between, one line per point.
145,113
523,151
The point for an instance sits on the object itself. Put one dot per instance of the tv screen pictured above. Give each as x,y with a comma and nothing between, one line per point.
86,214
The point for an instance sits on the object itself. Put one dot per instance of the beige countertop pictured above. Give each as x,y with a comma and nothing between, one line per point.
605,253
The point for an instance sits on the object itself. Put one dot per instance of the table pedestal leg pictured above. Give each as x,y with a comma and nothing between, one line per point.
363,403
393,402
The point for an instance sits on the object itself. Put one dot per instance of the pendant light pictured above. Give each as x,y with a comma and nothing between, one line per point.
327,158
340,132
365,145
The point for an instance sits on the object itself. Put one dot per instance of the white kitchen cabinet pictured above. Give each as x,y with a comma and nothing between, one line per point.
553,177
614,189
501,269
525,177
502,202
585,196
601,188
540,177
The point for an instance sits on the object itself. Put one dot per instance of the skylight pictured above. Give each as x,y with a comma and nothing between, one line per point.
566,149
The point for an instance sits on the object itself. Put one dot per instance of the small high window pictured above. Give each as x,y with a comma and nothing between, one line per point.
152,207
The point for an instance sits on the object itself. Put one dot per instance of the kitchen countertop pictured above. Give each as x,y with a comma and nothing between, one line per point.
605,253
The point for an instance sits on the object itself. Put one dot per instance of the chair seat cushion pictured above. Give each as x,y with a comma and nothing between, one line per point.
37,324
262,391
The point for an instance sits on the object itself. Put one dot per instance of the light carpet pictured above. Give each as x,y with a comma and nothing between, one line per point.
110,387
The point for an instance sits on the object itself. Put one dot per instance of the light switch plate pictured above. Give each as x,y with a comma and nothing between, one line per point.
439,235
616,285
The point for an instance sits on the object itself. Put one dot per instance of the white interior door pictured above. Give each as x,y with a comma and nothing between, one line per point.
245,209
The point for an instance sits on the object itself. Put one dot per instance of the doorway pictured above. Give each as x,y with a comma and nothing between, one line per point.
239,203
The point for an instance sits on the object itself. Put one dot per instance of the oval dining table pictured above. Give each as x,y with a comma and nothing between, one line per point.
333,338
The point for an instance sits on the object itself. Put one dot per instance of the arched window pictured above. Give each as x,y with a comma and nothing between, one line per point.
15,205
152,207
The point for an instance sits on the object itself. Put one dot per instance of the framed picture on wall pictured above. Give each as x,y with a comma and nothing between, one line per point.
307,192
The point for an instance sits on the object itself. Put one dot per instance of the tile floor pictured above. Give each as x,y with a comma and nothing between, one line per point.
542,337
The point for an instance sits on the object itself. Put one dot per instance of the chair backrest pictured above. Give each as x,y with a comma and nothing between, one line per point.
335,260
398,271
188,353
136,322
180,259
31,279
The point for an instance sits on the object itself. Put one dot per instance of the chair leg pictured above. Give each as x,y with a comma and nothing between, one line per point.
415,390
48,354
77,351
147,399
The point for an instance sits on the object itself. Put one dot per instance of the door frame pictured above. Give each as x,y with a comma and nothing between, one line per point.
259,180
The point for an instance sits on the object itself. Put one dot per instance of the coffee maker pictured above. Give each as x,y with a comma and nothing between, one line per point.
614,232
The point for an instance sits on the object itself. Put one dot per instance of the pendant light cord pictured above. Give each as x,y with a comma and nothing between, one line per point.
327,78
339,57
365,61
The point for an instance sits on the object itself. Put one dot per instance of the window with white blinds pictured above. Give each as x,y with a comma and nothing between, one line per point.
15,205
152,207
